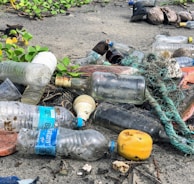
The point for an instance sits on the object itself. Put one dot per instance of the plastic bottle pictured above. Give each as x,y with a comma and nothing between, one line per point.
95,55
120,47
89,145
15,115
25,73
188,24
118,118
8,91
135,57
109,87
33,94
173,39
148,3
16,180
160,47
184,61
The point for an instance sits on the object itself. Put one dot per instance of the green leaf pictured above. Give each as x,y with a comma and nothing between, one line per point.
61,67
31,49
66,61
19,51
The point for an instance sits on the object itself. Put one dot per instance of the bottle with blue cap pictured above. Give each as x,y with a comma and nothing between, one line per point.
15,115
184,61
120,47
89,145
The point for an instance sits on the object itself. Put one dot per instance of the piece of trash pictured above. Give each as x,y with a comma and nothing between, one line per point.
83,105
7,142
87,168
120,166
8,91
16,180
134,144
89,145
108,86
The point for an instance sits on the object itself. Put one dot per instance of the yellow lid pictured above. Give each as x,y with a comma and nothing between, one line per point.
190,39
182,24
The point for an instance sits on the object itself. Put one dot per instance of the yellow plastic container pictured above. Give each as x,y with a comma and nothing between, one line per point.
134,144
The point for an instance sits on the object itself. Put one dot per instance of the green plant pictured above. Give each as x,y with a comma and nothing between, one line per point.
42,8
64,67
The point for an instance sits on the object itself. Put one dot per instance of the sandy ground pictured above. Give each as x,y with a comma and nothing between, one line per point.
73,36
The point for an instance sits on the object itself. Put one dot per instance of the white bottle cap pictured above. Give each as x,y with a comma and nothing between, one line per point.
46,58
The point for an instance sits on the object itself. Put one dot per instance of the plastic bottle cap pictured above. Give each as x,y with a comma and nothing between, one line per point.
80,122
110,43
182,24
190,39
112,146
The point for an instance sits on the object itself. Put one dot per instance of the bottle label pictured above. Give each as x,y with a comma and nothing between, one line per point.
46,142
46,118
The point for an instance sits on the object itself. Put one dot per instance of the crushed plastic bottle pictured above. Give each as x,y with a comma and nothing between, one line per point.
173,39
25,73
109,87
89,145
33,94
16,115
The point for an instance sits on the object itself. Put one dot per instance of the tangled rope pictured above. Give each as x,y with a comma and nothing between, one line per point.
165,97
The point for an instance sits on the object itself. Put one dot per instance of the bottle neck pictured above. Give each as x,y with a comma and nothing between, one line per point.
75,83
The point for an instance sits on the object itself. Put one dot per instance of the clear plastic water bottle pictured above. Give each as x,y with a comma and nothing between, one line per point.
173,39
109,87
95,55
148,3
16,115
33,94
184,61
160,48
120,47
89,145
188,24
25,73
92,58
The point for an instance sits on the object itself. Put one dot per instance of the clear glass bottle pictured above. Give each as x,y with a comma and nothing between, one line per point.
15,115
173,39
117,118
184,61
188,24
25,73
95,55
109,87
89,145
32,94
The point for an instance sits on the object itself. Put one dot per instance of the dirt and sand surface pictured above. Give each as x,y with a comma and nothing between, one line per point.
73,36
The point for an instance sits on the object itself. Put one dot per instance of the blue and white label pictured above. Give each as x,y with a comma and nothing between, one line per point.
46,118
46,142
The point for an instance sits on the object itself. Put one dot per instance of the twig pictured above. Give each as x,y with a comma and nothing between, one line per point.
157,169
148,175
